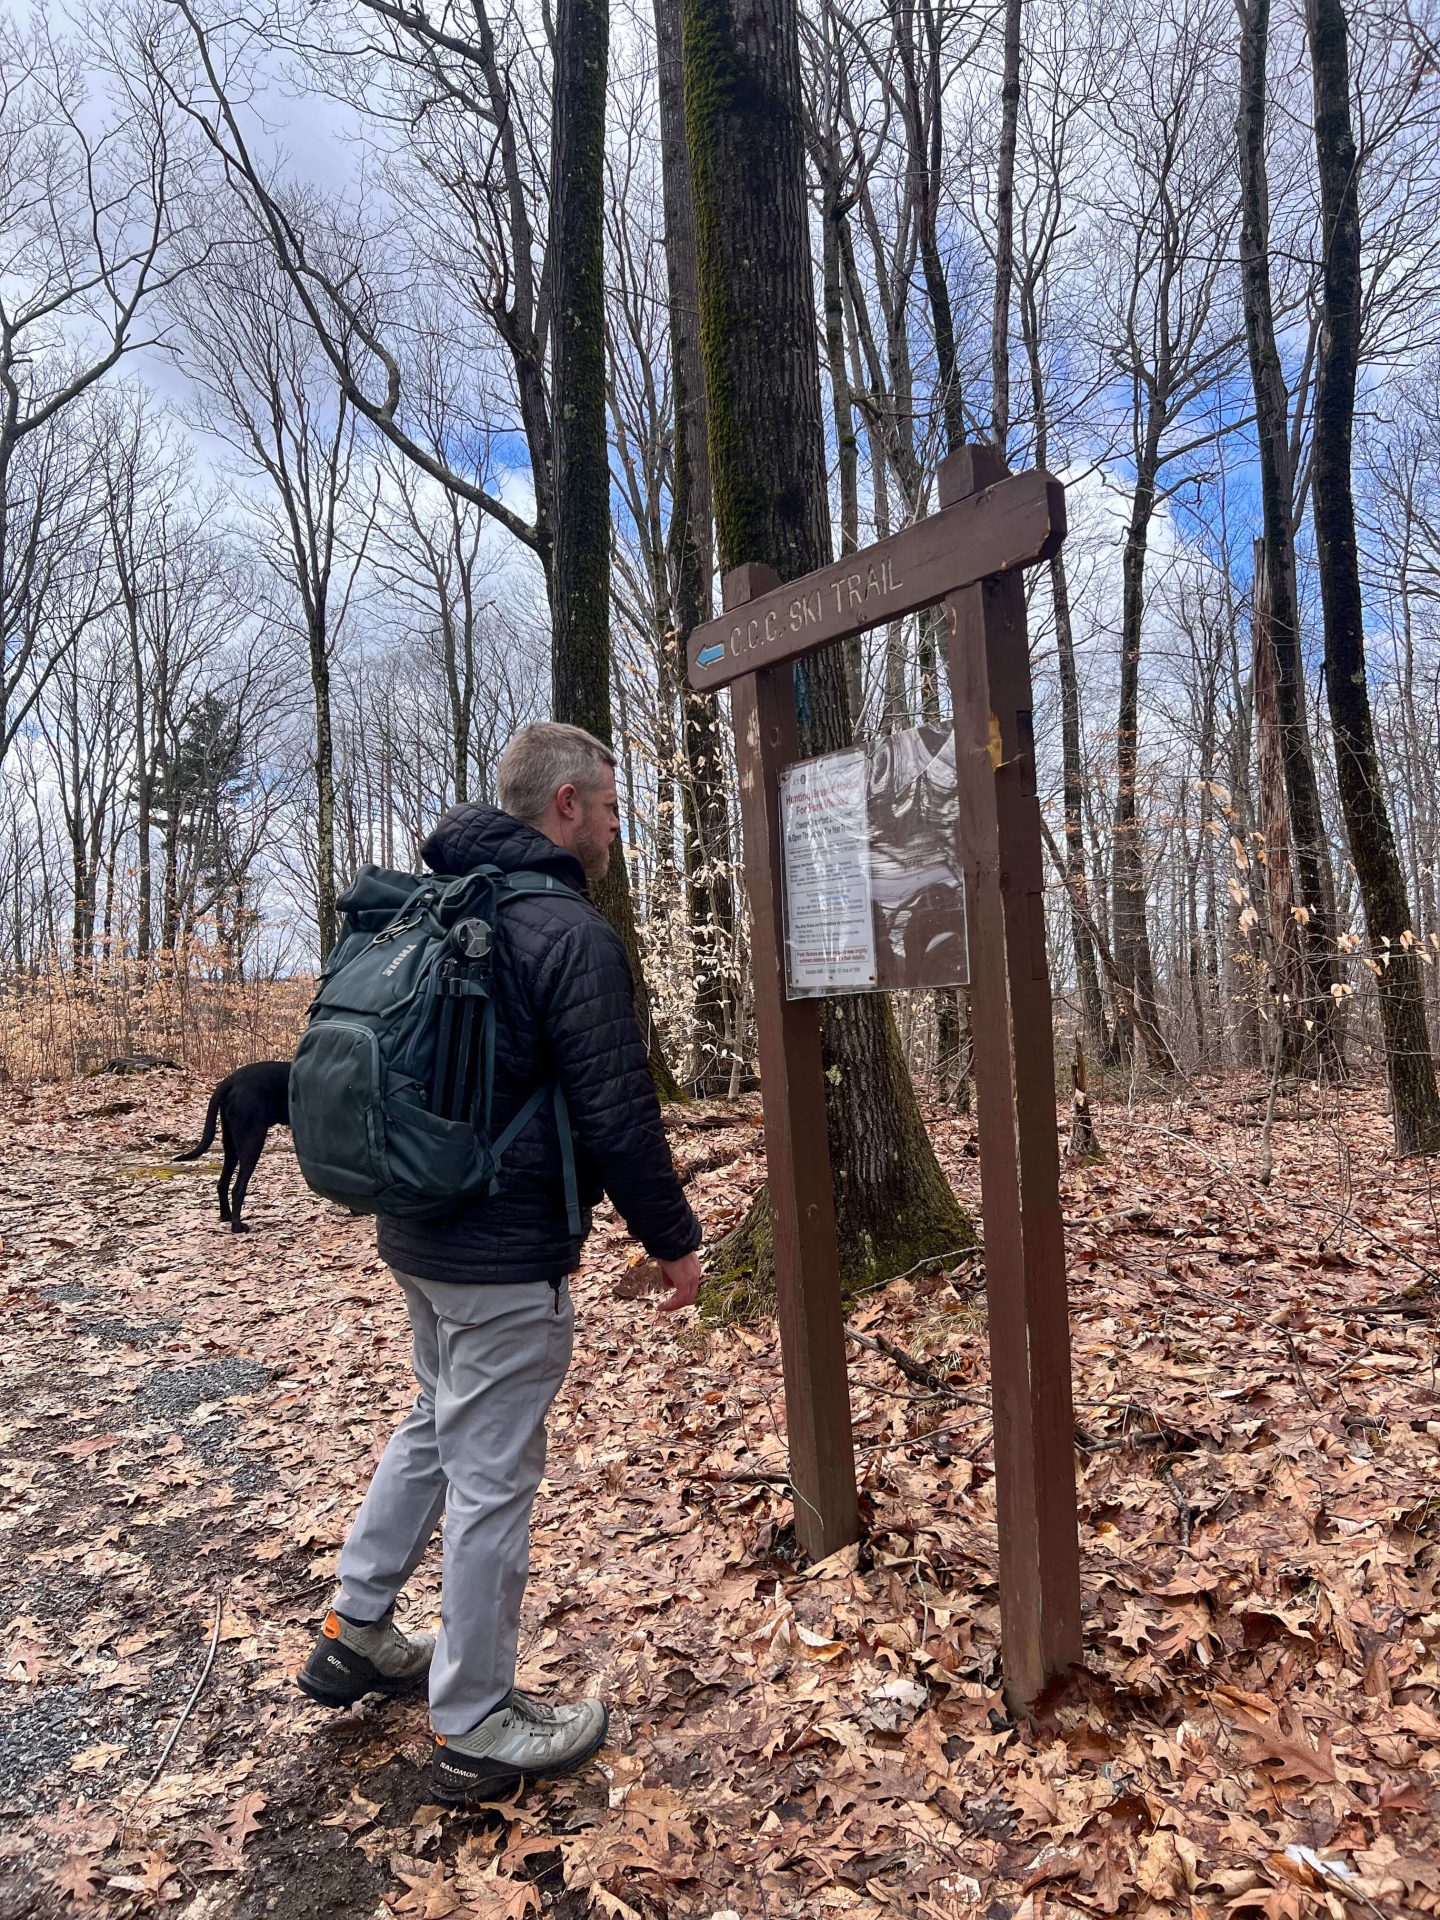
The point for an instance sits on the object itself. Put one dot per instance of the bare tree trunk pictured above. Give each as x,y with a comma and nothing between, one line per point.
580,493
1084,1144
918,40
580,602
1408,1059
1300,822
846,441
896,695
742,102
1004,231
1131,926
706,811
1245,965
1087,973
325,894
1292,996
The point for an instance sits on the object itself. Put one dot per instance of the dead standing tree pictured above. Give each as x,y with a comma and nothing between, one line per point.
742,105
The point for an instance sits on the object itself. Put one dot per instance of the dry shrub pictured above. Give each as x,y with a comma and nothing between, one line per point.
56,1023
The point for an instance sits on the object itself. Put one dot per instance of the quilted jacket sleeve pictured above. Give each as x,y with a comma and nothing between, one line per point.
588,1020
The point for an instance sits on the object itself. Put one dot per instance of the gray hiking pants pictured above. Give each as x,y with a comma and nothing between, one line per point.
489,1360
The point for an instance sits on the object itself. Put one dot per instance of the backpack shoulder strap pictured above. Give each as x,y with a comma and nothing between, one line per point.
566,1138
523,881
515,886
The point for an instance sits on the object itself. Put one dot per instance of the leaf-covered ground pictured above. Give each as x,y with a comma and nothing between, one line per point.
189,1418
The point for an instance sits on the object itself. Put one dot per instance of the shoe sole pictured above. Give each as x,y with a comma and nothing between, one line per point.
500,1786
388,1689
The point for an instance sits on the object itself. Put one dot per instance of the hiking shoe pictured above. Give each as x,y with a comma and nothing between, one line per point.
349,1661
521,1740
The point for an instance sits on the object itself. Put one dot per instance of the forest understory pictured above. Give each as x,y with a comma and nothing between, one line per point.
190,1417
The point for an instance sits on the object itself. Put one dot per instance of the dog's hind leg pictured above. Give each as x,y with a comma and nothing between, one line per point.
248,1158
227,1167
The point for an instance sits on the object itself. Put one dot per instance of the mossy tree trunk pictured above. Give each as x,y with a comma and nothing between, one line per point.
580,493
1408,1060
757,324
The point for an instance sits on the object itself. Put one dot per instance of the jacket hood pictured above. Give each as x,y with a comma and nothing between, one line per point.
476,835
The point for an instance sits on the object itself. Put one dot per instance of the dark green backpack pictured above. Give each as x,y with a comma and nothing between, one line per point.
391,1085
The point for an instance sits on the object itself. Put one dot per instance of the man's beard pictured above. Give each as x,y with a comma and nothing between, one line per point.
592,847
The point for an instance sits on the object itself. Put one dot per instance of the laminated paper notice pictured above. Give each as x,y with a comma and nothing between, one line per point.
874,876
829,922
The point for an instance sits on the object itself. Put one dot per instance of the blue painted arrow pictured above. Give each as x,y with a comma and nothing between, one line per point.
707,656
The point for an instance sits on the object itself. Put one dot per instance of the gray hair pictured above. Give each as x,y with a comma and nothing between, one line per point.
541,759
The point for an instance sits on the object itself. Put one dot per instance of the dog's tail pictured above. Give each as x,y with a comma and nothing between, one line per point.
209,1134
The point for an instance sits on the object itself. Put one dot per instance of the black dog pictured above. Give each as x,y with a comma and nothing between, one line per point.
249,1103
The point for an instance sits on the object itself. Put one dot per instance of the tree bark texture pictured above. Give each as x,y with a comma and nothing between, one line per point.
918,40
1087,972
742,105
710,898
1408,1060
325,920
1307,853
1131,930
1291,990
580,494
580,601
847,443
1004,232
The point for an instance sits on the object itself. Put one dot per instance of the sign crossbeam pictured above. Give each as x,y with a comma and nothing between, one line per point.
1015,523
968,555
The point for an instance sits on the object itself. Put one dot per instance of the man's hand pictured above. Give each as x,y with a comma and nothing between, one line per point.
684,1276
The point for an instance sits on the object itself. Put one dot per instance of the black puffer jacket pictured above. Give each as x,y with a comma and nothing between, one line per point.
563,1004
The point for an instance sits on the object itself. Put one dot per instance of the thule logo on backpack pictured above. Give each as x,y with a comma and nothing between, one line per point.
403,955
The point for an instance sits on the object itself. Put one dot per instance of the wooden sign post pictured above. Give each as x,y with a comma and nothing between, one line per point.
969,555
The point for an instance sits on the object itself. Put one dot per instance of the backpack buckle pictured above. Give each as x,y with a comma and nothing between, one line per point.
455,980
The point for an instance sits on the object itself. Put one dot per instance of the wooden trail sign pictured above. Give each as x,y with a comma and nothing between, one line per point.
1013,524
969,554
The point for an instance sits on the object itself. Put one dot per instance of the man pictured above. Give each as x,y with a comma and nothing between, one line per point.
486,1290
